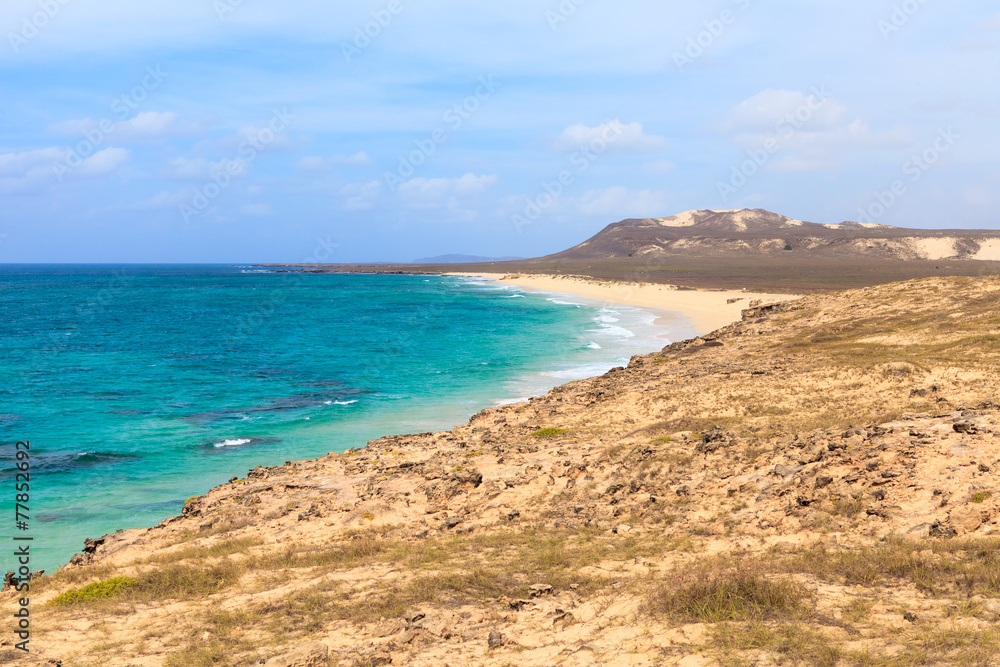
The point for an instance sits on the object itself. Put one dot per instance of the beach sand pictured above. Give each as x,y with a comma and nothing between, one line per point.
708,310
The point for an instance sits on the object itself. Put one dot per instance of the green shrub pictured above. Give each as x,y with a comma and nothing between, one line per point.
98,590
549,433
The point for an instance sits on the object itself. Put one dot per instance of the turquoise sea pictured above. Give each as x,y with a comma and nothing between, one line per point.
140,386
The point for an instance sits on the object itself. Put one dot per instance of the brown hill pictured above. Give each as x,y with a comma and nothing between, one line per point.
816,484
749,232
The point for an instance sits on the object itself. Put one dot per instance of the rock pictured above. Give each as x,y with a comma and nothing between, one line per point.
812,455
910,616
388,628
939,529
436,625
991,607
311,654
919,531
966,519
495,640
965,427
538,590
713,439
563,619
786,471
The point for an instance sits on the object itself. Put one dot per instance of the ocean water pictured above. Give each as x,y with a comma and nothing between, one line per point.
140,386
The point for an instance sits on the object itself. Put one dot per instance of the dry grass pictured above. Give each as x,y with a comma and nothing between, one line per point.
708,595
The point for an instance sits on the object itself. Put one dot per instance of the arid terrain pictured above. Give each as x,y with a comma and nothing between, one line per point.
813,485
749,249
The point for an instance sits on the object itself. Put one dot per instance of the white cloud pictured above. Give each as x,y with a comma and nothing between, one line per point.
199,169
33,171
357,160
162,200
145,126
614,134
29,171
659,167
432,192
771,110
148,124
257,210
313,163
620,202
19,164
801,132
452,199
361,196
104,162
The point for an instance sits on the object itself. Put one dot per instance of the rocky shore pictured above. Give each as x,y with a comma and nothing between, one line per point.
815,484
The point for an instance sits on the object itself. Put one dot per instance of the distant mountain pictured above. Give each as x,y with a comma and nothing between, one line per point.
462,259
747,232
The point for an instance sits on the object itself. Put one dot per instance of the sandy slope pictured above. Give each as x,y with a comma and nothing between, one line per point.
708,310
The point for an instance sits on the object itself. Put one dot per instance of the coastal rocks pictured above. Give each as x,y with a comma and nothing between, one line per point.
311,654
452,484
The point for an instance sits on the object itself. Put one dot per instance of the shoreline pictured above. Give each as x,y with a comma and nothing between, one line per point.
707,310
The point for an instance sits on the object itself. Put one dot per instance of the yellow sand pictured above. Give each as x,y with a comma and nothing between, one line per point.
707,309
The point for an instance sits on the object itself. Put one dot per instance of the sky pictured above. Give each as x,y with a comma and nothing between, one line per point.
251,131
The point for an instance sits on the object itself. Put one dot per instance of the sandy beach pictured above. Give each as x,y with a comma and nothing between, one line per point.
708,310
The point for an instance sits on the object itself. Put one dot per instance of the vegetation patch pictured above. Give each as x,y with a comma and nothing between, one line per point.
739,595
99,590
549,432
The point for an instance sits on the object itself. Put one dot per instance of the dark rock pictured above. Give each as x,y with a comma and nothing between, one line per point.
713,439
939,529
495,640
965,427
823,482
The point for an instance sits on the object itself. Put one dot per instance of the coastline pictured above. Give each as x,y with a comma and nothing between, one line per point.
708,310
634,484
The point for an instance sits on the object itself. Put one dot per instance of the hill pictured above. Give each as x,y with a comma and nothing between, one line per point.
753,249
815,484
759,232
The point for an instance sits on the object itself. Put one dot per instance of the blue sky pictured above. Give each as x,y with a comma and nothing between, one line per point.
242,131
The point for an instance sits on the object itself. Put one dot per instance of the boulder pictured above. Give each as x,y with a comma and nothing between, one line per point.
966,519
311,654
